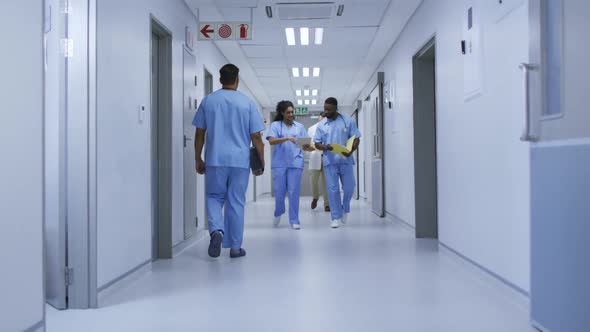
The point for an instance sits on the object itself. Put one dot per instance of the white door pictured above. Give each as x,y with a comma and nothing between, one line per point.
55,220
376,135
560,164
190,175
361,155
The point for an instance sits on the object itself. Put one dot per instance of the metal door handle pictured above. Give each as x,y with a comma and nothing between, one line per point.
527,136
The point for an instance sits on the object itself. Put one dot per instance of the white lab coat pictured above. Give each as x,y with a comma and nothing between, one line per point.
315,157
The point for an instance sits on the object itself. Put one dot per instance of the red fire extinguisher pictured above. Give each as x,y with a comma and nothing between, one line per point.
243,31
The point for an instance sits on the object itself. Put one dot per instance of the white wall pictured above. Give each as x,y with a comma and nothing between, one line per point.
124,198
483,169
21,169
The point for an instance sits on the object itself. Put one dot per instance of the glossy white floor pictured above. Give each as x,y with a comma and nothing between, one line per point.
370,275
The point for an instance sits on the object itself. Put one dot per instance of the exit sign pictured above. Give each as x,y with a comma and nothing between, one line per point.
301,111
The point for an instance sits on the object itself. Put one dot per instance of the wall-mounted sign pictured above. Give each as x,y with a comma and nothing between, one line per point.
225,31
301,111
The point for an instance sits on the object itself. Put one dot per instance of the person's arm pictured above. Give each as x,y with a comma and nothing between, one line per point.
275,141
319,144
355,146
322,147
199,143
259,145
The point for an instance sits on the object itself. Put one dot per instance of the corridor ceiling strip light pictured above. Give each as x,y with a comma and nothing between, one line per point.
319,36
306,92
304,36
316,71
314,101
298,93
314,92
306,101
306,71
295,72
290,33
299,102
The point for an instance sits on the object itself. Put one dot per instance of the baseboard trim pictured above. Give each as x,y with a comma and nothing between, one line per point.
395,219
539,326
178,249
123,280
521,293
38,327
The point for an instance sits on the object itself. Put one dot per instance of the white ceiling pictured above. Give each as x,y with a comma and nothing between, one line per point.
354,44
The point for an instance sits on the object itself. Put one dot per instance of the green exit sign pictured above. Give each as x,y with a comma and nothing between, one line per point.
301,111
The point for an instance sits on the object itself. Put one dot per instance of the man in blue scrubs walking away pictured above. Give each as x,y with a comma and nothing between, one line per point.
337,129
230,121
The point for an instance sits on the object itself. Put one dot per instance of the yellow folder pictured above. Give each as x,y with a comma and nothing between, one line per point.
339,149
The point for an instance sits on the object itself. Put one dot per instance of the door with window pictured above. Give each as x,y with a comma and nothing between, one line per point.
558,127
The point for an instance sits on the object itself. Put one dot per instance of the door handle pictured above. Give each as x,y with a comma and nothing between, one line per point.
186,139
527,135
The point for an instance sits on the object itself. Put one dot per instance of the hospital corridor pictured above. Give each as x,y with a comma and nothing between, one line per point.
294,165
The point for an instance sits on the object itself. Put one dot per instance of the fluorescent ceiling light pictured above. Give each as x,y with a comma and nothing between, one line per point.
299,102
306,101
314,92
296,72
298,92
305,71
306,92
314,101
304,35
290,33
319,36
316,71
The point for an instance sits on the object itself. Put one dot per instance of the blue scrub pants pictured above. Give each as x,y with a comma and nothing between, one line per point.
344,173
227,186
287,180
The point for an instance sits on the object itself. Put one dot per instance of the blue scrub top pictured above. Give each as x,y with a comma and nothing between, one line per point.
229,117
336,132
287,154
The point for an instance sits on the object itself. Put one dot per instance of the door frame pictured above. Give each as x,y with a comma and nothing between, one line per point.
425,174
190,229
163,196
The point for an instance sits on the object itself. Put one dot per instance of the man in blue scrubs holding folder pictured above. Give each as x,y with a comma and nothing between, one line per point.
337,129
230,122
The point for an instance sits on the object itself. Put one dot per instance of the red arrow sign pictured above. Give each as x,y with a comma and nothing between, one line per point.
206,31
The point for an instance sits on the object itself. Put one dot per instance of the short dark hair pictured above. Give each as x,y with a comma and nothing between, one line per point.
331,101
229,74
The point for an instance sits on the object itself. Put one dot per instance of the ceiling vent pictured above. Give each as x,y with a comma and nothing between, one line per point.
305,10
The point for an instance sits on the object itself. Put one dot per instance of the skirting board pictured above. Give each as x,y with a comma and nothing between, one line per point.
517,293
38,327
184,245
123,281
539,326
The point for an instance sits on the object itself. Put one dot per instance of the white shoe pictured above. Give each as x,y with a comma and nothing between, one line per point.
295,226
276,221
344,218
335,223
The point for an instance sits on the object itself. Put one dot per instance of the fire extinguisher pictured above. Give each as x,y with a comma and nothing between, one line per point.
243,31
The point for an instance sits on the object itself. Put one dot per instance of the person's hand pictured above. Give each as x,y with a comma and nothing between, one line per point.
293,139
329,147
346,154
259,172
200,166
307,147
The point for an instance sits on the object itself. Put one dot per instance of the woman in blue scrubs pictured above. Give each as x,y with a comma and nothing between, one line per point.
287,161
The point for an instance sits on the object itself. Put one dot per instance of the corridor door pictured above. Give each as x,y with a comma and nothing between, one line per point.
190,175
376,136
556,80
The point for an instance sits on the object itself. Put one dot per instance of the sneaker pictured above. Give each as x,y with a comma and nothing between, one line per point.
215,244
295,226
235,253
335,223
345,218
276,221
314,203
